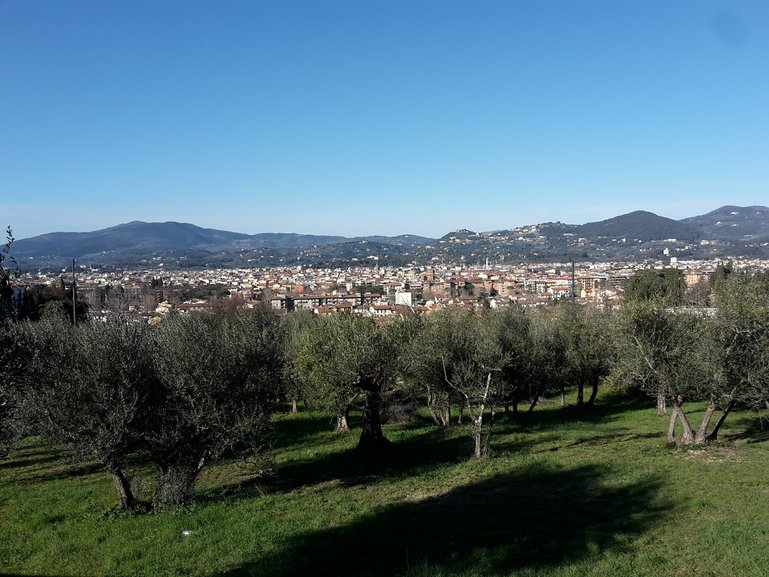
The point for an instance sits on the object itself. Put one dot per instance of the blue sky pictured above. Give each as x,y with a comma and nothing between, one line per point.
378,117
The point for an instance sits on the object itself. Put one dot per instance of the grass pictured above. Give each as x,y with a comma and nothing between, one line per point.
566,493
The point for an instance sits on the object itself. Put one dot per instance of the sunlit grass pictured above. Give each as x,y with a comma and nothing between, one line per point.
566,493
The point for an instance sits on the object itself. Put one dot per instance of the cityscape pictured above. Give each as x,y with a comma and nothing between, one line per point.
369,291
147,270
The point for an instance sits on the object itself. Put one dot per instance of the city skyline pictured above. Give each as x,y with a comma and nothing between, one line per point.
370,118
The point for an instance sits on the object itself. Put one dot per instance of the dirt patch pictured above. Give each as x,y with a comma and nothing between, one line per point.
712,455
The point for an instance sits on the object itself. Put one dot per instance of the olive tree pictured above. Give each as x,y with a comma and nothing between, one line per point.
668,354
12,355
548,367
511,327
589,348
218,376
741,335
458,352
346,356
295,327
89,391
14,361
312,363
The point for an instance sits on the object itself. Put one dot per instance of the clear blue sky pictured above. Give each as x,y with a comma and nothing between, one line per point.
378,117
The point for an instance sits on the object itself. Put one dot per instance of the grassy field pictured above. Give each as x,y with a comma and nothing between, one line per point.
567,493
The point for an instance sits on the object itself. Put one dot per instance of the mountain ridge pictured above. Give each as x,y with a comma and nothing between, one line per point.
637,234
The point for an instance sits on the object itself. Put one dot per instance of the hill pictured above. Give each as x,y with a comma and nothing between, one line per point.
639,225
736,223
184,244
140,236
729,231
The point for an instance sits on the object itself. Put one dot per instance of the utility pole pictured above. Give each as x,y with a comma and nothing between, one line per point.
74,296
573,284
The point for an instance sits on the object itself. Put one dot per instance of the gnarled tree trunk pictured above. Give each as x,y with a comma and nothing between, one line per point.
687,436
371,437
440,412
702,433
661,404
714,433
125,496
343,421
594,392
175,484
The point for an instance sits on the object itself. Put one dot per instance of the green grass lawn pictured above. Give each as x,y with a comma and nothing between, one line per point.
566,493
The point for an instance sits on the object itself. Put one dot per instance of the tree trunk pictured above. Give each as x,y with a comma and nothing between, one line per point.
371,437
563,396
672,428
714,433
477,430
441,415
294,409
661,404
343,421
125,497
581,393
687,436
537,394
593,392
175,484
461,413
446,416
431,407
434,415
478,420
489,428
702,432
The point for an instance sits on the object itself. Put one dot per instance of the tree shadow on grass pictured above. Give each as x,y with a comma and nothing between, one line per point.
425,448
609,407
753,428
53,471
309,429
34,461
295,429
419,453
17,461
525,444
537,517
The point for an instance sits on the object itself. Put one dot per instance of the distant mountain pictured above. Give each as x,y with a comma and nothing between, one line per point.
185,244
736,223
639,235
132,236
639,225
